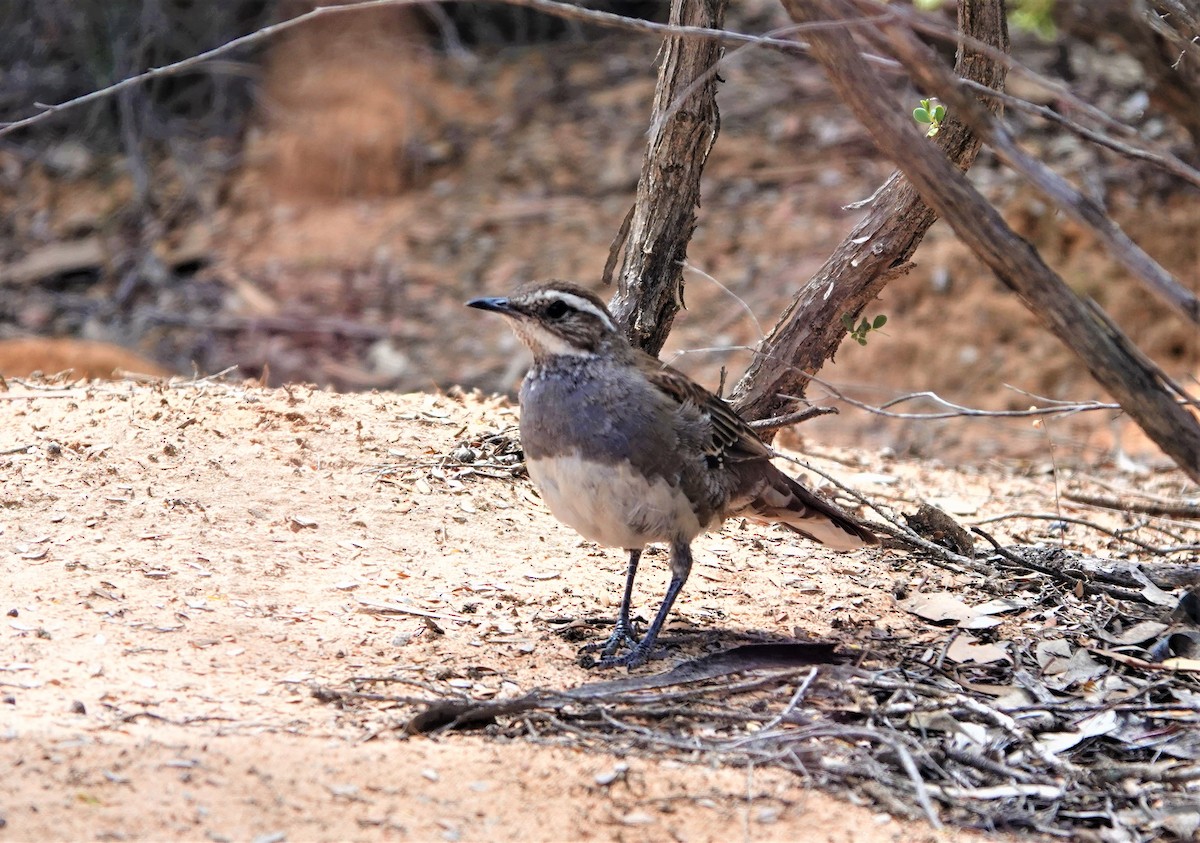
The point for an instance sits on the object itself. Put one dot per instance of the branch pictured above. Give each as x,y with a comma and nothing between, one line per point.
876,250
682,133
1140,387
1059,518
1164,508
1164,160
927,71
954,411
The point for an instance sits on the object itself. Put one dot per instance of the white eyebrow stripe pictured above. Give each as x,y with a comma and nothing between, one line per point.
579,303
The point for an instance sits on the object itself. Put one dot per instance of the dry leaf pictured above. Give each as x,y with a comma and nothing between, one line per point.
1101,723
1136,634
937,606
968,649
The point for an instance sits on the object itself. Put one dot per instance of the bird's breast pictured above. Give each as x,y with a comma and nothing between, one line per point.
611,502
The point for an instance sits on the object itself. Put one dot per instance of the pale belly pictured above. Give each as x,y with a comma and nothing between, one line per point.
611,504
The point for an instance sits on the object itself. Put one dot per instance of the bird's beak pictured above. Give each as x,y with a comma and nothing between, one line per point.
495,303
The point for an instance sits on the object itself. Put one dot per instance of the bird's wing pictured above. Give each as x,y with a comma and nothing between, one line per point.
731,435
776,497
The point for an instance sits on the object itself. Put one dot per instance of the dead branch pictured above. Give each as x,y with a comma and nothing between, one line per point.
1091,525
1071,567
1137,384
683,131
810,331
1159,35
1061,94
792,418
1164,160
927,71
1169,509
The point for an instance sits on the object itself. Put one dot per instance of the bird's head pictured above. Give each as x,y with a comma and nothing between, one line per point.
558,318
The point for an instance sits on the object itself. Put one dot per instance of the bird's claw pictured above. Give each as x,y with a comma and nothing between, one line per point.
640,651
636,657
623,634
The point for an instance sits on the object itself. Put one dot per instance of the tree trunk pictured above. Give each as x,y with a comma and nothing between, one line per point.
684,129
810,331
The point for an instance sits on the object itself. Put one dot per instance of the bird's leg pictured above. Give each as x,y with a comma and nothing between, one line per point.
681,566
623,632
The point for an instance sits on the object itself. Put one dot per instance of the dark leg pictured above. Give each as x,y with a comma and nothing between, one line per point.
681,566
623,633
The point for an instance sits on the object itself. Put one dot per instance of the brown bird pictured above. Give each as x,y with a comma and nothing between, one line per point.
629,451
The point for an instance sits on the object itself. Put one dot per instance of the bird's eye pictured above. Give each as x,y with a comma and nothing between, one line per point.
557,309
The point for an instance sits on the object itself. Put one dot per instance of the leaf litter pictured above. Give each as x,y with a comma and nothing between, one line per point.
1057,695
1092,733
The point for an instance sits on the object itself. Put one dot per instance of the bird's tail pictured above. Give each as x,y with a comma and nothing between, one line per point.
785,501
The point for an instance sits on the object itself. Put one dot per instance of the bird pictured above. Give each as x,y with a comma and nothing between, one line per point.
629,451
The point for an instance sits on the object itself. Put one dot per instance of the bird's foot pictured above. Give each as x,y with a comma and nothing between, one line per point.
639,652
636,657
623,635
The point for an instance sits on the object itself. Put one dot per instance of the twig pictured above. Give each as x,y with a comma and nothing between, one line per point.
801,690
370,607
942,556
1003,551
1182,509
793,418
959,411
1057,406
1083,522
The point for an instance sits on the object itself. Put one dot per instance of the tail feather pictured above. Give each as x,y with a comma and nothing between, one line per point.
785,501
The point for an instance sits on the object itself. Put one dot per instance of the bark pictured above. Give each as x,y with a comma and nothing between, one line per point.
1141,389
686,122
810,331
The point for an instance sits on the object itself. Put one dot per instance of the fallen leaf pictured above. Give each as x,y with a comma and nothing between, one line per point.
937,606
1079,668
1101,723
1049,653
968,649
1153,593
1136,634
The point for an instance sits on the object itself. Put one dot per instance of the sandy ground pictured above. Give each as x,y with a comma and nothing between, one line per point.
182,565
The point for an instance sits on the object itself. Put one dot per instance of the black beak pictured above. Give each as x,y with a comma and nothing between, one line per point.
497,304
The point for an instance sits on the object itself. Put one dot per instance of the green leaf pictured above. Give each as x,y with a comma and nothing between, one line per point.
879,322
921,115
939,113
848,321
